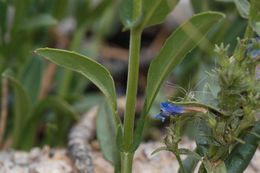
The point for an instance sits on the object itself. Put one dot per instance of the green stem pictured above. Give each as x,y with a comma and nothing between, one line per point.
180,162
132,83
126,162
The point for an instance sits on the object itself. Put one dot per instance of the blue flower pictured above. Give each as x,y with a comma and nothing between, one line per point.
168,109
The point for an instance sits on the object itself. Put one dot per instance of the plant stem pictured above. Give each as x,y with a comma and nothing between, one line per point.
129,114
126,162
132,83
4,109
180,162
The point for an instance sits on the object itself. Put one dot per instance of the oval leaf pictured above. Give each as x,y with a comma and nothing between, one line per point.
181,42
243,7
92,70
155,11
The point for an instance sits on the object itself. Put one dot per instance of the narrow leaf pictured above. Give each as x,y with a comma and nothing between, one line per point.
106,134
181,42
242,154
62,110
92,70
155,11
22,108
177,46
37,21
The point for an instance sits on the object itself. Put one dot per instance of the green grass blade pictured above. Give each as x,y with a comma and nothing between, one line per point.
22,108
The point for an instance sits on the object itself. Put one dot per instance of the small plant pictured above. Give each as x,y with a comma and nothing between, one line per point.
228,132
119,140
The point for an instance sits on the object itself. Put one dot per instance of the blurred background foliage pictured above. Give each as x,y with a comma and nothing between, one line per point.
43,101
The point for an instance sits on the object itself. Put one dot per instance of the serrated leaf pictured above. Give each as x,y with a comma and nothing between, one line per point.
22,108
177,46
242,154
92,70
243,7
40,20
106,134
155,11
255,16
130,12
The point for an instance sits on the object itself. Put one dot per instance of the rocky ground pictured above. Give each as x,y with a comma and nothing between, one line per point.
47,160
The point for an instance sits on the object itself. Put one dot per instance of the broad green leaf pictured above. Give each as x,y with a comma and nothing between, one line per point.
38,21
22,108
130,12
155,11
255,16
92,70
177,46
106,134
242,154
243,7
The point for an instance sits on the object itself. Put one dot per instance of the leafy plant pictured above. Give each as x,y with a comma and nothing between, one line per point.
31,108
228,130
136,16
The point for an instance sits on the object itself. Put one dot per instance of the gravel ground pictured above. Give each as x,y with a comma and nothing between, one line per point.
49,160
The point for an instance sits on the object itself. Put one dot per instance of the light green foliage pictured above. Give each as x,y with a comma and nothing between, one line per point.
182,41
107,133
92,70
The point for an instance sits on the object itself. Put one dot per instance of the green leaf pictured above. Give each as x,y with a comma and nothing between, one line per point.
177,46
255,16
31,77
189,164
57,104
92,70
22,108
184,151
130,12
40,20
155,11
242,154
163,148
243,7
106,134
181,42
